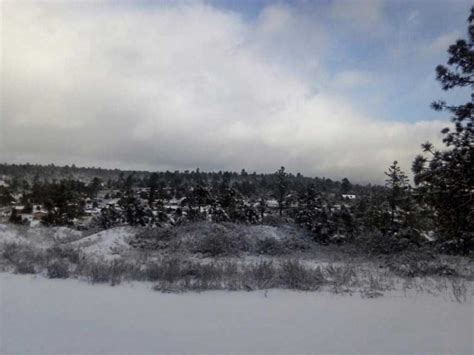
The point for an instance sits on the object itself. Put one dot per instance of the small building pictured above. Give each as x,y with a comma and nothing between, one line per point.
348,197
37,215
272,203
3,181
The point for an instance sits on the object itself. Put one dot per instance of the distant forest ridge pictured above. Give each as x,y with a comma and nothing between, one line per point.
50,172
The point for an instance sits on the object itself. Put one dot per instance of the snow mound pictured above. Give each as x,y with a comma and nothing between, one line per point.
64,234
107,244
9,234
265,232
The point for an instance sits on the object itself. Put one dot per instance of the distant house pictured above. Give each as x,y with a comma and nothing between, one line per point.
272,203
3,181
37,215
349,197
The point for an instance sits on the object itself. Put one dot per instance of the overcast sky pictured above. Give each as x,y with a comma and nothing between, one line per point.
325,88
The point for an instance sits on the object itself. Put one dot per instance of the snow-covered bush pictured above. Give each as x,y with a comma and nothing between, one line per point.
270,246
58,269
294,275
262,275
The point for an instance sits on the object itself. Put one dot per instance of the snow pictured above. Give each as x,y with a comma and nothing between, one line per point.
41,316
106,244
263,232
41,237
10,235
64,234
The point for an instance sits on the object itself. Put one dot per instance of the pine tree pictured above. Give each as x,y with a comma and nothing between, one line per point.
445,179
346,186
153,185
281,188
398,186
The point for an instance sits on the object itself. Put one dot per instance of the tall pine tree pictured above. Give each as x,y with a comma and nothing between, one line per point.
445,178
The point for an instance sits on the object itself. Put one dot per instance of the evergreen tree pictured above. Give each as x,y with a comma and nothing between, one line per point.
6,197
445,179
95,186
153,185
398,186
281,188
346,186
15,217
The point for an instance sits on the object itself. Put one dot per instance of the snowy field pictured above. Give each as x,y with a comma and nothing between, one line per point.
42,316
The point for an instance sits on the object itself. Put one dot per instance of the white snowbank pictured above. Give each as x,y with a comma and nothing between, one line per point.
9,235
40,316
65,234
40,236
263,232
106,244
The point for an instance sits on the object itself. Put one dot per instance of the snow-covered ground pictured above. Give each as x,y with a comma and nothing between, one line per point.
41,316
106,244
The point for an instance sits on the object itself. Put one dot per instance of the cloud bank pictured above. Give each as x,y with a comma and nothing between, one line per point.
187,85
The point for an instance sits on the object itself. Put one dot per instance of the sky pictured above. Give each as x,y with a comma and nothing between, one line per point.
327,88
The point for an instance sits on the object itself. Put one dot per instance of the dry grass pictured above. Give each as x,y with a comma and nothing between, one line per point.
178,271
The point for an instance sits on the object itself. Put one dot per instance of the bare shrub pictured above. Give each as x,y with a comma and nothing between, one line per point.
376,243
58,269
459,290
112,272
63,252
341,276
376,285
419,265
274,220
10,251
153,238
168,270
294,275
24,258
269,246
211,276
296,244
262,274
215,245
98,273
24,267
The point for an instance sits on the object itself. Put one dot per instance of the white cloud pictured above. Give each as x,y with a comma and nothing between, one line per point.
361,14
413,16
183,86
351,79
441,43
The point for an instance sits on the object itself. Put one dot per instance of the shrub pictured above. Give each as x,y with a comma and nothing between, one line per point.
294,275
153,238
269,246
24,267
67,253
457,246
262,274
10,251
375,243
295,244
341,275
215,245
167,270
273,220
415,265
58,269
23,258
108,271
